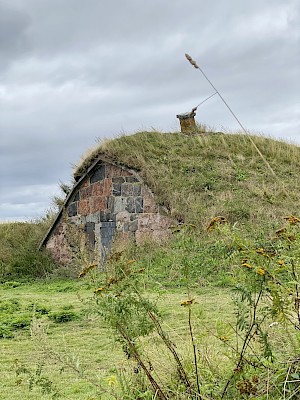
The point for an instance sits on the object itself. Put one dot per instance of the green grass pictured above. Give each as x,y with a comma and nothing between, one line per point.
86,342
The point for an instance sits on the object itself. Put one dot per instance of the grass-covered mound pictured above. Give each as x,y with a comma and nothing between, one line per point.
199,177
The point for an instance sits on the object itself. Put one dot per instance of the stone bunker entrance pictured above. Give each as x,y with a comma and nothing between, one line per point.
107,202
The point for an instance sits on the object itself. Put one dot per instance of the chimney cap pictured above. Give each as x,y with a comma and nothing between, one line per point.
186,115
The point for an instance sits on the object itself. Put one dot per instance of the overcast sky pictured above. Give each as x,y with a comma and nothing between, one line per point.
72,71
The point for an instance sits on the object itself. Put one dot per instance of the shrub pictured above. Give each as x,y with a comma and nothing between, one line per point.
63,316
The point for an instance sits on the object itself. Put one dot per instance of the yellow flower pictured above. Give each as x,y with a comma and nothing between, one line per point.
292,219
111,281
130,262
187,302
247,265
280,231
261,271
224,339
86,270
260,251
280,262
214,221
99,290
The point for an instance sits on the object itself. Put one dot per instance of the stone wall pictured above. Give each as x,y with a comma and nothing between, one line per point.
110,202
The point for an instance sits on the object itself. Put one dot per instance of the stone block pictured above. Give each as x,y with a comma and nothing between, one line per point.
95,217
106,242
111,203
127,189
138,203
109,224
97,188
131,179
119,179
89,229
123,216
98,203
152,222
130,207
149,204
83,207
72,209
85,192
120,204
117,189
98,174
133,225
107,187
107,216
76,196
137,189
133,217
112,171
126,227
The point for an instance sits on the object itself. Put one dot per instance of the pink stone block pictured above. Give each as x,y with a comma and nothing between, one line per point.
98,204
85,192
112,171
83,207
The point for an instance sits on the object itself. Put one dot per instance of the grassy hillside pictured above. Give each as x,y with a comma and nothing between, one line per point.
213,314
199,177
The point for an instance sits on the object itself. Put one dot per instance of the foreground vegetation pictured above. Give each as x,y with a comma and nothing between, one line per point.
212,314
162,322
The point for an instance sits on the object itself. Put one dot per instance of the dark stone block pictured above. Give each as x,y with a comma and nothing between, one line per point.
119,179
131,179
130,207
109,224
89,228
72,210
127,189
117,189
133,226
110,217
126,226
111,203
76,197
102,216
106,242
106,216
139,203
137,189
98,175
133,217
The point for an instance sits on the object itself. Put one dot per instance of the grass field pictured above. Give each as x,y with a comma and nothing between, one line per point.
85,343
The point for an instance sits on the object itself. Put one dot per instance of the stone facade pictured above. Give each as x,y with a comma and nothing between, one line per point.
108,202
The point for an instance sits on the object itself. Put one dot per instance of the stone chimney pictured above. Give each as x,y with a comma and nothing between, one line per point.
187,122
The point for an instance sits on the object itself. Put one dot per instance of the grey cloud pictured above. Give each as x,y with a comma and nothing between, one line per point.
75,71
13,26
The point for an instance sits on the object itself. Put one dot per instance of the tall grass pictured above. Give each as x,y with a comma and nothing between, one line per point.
19,254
